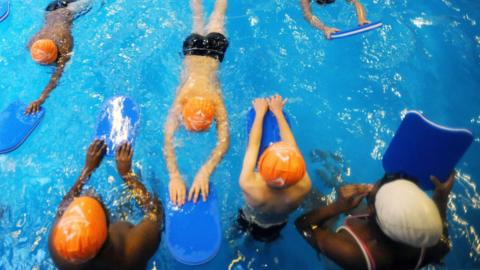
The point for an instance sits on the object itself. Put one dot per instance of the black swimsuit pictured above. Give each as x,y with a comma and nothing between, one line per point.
56,4
212,45
258,232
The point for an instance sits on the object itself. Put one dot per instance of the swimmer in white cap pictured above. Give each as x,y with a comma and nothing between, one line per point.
403,227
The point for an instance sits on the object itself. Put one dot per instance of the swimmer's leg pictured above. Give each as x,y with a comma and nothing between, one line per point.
217,19
197,16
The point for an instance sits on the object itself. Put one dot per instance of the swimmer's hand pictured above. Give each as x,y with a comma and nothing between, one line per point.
123,158
328,31
442,190
200,185
177,190
95,154
34,107
260,105
350,196
276,103
363,21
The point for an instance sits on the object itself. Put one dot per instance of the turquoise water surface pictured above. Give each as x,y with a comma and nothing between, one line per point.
346,99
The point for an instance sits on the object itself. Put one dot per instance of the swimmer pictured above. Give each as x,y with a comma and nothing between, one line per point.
199,100
82,236
402,227
53,44
328,31
281,182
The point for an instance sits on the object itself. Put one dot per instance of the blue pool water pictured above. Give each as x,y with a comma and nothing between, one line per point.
346,100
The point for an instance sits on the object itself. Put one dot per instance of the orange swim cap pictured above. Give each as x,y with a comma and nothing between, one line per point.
198,113
281,165
44,51
81,231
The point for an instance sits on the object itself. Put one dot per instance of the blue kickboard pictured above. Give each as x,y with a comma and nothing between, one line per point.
270,131
356,30
117,123
193,231
15,126
4,9
421,148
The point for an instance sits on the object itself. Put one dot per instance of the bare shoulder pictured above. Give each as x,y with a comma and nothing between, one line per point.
252,184
305,185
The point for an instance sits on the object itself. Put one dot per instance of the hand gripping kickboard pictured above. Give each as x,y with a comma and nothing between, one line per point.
356,30
4,9
15,126
193,231
117,123
270,131
421,148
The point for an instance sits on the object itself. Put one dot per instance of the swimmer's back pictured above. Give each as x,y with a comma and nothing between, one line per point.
280,202
127,247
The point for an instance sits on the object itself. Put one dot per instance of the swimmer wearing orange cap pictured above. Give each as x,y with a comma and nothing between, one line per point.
82,238
401,227
53,44
199,100
281,183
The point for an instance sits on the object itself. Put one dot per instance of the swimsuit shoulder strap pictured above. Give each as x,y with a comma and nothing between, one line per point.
363,246
420,259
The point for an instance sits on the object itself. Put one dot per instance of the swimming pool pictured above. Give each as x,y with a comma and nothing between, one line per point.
346,100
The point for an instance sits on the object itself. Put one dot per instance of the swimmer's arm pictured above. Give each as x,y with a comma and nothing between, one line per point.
285,131
74,191
343,252
440,197
253,147
151,206
314,220
223,139
169,151
62,61
361,14
95,154
307,14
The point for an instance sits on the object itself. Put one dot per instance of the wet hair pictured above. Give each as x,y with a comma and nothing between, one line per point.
324,2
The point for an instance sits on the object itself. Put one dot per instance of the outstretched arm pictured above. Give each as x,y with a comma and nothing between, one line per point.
143,239
276,104
249,161
176,185
95,154
361,14
314,21
440,197
201,181
312,227
34,107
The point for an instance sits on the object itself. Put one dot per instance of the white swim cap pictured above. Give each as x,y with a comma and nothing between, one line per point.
406,214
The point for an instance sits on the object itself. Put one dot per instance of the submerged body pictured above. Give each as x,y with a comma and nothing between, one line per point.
365,242
56,30
267,206
125,245
317,23
199,100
